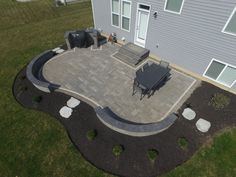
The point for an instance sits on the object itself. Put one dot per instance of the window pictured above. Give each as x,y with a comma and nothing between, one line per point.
215,69
221,72
115,12
141,6
174,6
126,15
121,11
230,26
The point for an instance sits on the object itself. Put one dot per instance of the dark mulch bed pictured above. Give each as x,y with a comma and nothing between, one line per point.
134,160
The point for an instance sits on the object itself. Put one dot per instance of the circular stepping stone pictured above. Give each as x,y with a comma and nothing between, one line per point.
73,102
203,125
189,114
65,112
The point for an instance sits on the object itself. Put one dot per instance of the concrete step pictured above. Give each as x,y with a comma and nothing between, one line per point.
126,59
126,52
132,54
137,50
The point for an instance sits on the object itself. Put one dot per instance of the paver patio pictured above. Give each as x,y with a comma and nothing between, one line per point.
108,82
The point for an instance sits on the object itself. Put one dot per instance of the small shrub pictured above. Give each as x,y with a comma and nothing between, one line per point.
37,99
23,88
152,154
117,150
183,143
188,105
219,101
91,134
23,77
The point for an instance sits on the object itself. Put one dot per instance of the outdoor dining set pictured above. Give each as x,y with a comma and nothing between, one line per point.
150,78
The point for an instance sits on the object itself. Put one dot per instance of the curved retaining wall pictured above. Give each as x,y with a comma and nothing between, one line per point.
105,115
120,125
34,71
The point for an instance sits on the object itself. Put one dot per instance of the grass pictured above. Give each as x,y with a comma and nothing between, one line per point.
213,160
33,143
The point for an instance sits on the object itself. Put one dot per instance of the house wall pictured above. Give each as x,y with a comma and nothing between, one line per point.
194,37
234,86
189,40
102,16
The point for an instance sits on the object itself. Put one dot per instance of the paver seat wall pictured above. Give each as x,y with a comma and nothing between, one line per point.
113,121
34,73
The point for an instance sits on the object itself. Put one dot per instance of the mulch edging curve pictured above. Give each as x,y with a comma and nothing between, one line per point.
133,161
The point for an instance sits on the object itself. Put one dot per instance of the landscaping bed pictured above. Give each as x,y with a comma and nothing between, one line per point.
125,155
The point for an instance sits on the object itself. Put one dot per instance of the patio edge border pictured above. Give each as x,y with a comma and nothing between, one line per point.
133,129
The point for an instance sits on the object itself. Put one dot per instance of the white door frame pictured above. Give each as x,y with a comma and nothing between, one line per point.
137,22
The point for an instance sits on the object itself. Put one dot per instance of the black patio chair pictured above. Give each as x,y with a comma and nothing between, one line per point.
145,66
139,71
139,88
164,64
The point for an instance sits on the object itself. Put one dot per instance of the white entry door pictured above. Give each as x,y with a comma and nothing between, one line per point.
141,25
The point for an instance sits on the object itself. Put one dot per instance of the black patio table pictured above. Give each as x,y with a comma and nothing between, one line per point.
152,76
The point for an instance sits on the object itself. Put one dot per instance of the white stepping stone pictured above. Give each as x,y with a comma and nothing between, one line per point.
203,125
60,51
73,102
65,112
189,114
56,49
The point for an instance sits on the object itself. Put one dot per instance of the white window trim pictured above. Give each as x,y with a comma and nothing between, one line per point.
144,5
125,16
115,14
223,30
216,80
174,11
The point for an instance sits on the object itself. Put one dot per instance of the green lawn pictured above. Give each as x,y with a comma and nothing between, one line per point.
35,145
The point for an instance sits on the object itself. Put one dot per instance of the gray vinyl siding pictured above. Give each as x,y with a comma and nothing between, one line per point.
194,37
189,40
234,87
